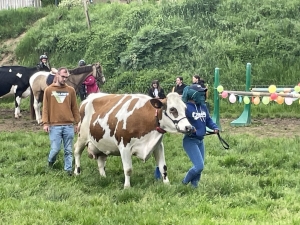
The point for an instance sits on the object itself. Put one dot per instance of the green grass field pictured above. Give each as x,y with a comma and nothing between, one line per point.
255,182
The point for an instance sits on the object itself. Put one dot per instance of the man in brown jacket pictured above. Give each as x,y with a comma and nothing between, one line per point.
60,117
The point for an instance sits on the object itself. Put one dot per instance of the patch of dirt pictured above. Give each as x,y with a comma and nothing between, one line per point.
8,122
261,128
281,127
8,58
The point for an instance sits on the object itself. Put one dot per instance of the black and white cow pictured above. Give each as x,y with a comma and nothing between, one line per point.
15,78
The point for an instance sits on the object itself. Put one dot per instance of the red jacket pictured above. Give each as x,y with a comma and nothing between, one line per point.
91,85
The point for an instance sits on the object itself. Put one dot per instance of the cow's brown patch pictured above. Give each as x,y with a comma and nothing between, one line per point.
96,130
141,122
102,106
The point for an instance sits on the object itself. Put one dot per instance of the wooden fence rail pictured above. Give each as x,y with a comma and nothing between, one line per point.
13,4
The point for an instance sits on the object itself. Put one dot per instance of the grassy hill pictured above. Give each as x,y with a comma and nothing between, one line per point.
142,41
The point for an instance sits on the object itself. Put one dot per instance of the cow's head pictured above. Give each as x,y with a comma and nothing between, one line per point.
171,115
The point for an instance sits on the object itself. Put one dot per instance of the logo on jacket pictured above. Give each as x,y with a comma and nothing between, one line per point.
60,95
199,115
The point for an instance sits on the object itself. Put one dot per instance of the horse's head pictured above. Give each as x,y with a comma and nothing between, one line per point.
98,73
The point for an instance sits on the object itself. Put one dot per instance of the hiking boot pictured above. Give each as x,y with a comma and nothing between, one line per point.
50,164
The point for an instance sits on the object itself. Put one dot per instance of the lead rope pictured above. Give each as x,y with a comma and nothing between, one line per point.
223,142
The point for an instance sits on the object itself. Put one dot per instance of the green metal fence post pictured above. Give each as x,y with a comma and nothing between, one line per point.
245,117
216,115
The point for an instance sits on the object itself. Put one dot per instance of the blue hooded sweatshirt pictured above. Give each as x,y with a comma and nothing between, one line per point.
199,117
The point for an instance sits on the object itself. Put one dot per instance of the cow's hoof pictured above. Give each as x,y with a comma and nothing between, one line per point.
77,171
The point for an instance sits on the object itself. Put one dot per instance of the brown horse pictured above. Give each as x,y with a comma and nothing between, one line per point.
77,76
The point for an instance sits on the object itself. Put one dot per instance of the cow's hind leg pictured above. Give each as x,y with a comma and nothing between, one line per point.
78,149
127,165
159,156
101,160
17,106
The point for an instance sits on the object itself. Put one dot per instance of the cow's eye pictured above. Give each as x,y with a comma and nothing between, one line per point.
172,110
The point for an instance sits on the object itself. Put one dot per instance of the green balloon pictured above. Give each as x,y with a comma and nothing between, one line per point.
246,100
265,100
297,88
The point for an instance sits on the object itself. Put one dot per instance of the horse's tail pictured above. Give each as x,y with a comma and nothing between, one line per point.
32,111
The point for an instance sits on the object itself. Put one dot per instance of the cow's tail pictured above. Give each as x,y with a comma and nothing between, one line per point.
32,111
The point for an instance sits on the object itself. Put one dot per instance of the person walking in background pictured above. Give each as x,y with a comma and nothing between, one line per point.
82,88
60,118
198,116
44,65
179,86
156,91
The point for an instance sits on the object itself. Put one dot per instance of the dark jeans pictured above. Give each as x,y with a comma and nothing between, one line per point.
82,93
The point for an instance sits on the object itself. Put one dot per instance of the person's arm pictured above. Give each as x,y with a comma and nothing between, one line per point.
90,81
162,94
45,112
210,123
150,93
75,110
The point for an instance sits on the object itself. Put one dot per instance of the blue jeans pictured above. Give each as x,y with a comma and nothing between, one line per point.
195,150
58,134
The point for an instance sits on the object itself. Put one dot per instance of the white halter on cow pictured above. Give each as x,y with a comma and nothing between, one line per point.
128,124
77,76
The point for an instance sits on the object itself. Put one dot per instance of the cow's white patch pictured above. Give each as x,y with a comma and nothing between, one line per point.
14,88
19,75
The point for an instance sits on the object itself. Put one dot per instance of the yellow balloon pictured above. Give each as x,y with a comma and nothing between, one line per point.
246,100
220,88
272,89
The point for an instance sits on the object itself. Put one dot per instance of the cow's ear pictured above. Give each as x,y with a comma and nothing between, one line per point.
156,103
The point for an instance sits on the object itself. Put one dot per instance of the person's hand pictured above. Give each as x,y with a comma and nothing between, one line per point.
216,131
46,128
76,129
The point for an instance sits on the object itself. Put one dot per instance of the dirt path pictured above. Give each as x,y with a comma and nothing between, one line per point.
261,128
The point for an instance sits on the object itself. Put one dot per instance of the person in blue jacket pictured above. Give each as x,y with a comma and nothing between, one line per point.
198,116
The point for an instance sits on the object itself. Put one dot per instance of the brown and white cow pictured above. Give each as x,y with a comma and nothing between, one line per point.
128,124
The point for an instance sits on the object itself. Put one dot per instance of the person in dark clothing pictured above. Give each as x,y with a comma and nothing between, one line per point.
179,86
198,116
44,65
82,88
198,80
156,91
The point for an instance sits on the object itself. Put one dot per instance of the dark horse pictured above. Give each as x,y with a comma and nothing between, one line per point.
77,76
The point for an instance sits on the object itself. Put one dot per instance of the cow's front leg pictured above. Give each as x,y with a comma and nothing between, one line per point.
101,164
159,156
127,165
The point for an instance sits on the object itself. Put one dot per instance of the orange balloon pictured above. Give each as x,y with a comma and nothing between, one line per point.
280,100
256,100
